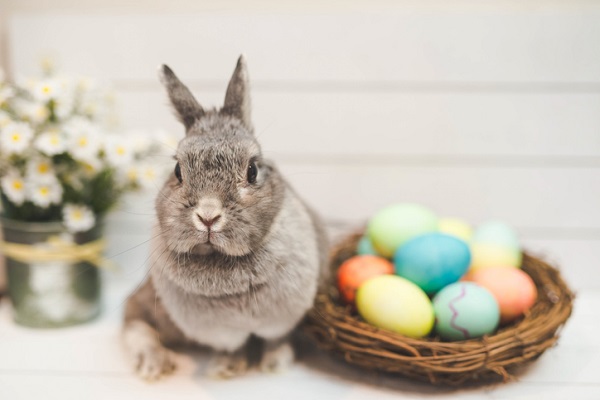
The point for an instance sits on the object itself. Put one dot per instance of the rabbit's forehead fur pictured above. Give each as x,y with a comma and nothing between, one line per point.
218,143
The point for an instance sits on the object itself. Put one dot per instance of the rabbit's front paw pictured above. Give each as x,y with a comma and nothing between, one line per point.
277,358
227,365
151,363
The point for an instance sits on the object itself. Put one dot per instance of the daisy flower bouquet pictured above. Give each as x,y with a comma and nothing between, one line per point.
60,158
63,166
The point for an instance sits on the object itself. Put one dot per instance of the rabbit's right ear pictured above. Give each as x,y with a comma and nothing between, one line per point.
187,109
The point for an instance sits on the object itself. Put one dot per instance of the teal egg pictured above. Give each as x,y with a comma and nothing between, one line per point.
398,223
365,247
432,261
465,310
496,233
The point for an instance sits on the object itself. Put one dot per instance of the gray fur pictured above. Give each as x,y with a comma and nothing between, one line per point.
186,107
237,97
256,270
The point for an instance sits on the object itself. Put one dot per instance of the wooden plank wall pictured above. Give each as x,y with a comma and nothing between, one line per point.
477,113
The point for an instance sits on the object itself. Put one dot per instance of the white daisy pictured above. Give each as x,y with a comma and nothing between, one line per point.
118,150
64,102
84,140
6,92
51,142
78,218
32,111
26,82
91,167
41,170
86,84
64,106
131,174
15,137
42,194
13,186
147,176
5,119
46,89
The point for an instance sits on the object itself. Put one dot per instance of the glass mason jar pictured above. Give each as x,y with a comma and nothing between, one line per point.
51,293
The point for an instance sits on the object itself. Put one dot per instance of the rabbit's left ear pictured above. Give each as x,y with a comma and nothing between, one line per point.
237,98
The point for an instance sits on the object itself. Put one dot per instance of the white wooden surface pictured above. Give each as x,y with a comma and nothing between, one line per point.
89,362
478,112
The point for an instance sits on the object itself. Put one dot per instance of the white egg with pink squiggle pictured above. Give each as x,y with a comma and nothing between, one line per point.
465,310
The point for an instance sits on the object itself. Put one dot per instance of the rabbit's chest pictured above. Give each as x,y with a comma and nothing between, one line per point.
225,323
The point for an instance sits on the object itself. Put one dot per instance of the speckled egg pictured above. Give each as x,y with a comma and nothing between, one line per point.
432,261
393,303
456,227
513,289
395,224
357,270
465,310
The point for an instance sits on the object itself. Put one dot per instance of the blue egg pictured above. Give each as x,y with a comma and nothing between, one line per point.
365,247
432,261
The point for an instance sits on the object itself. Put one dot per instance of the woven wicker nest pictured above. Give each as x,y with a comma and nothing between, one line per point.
336,328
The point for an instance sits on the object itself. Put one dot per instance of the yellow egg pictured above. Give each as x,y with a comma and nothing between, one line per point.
485,255
456,227
396,304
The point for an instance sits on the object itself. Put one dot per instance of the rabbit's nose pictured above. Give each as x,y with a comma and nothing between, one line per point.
209,211
208,222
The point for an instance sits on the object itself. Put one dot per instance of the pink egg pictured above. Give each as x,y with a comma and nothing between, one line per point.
514,290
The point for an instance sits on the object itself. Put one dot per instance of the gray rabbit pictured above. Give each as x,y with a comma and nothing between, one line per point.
236,253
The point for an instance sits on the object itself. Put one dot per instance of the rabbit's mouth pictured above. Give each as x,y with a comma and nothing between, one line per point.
203,249
210,242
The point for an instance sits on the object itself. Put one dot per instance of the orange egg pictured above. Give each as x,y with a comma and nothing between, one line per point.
357,270
514,290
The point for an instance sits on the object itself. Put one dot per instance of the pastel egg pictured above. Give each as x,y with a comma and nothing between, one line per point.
456,227
485,255
465,310
393,303
514,290
394,225
496,233
358,269
432,261
365,247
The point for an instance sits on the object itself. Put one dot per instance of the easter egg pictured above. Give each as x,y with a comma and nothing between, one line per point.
365,247
513,289
496,233
358,269
393,303
432,261
395,224
465,310
456,227
484,255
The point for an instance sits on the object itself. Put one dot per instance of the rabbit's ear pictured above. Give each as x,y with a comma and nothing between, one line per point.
186,107
237,98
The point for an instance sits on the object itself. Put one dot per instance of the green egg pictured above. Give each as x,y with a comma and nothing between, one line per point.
395,224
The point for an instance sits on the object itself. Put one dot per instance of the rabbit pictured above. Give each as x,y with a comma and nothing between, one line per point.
236,252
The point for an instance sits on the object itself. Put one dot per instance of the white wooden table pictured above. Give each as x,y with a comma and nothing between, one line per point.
88,362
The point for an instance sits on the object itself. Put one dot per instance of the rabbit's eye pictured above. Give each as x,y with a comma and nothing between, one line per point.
178,173
252,172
